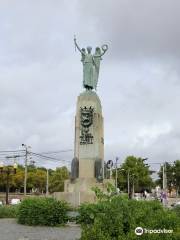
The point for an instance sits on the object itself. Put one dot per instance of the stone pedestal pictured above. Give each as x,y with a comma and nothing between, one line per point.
87,168
89,135
80,190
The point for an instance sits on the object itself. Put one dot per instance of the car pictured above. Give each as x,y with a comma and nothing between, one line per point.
175,204
15,201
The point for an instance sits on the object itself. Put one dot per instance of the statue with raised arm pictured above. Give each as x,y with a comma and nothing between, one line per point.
91,65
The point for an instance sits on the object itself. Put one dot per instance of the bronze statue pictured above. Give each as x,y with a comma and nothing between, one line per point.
91,64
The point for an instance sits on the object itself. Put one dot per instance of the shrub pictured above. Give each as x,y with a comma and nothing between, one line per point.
8,211
87,213
118,218
42,211
177,210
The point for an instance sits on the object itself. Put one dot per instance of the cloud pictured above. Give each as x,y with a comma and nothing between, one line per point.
141,111
136,28
139,81
149,134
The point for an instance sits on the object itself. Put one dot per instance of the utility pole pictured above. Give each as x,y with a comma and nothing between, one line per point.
25,168
164,177
133,187
116,173
165,170
128,182
7,187
47,183
25,171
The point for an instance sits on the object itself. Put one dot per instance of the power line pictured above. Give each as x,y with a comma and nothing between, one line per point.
46,157
12,151
43,156
4,152
160,162
60,151
52,161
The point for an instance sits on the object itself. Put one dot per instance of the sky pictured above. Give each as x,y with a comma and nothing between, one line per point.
139,81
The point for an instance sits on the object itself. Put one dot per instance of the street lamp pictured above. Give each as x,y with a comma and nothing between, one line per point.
121,169
47,182
8,170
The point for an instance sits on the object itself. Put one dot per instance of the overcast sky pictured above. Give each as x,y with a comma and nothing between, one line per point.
139,82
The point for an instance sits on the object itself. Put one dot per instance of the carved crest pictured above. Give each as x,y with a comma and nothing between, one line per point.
86,116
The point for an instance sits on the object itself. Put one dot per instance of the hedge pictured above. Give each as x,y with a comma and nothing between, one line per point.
8,211
42,211
118,218
177,210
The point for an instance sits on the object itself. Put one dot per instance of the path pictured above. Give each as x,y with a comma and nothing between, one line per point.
10,230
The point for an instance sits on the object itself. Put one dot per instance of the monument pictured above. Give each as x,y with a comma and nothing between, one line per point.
88,159
87,168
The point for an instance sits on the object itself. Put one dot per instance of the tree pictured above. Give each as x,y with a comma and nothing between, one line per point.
36,179
57,179
176,174
18,180
172,175
14,179
139,174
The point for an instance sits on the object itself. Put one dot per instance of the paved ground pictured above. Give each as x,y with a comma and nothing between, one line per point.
10,230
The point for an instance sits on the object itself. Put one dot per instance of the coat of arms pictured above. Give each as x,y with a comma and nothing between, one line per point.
86,117
86,121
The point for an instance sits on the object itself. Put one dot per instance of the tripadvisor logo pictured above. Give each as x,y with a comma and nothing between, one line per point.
139,231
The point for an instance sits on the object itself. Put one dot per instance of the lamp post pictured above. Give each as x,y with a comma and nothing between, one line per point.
120,169
47,182
8,170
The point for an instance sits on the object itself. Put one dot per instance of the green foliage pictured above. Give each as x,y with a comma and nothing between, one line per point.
177,210
42,211
173,175
18,180
118,218
139,173
36,179
57,179
103,196
8,211
88,212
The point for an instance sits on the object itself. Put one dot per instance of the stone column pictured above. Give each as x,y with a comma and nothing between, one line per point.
89,135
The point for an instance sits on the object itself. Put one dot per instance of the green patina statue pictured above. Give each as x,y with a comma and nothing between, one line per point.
91,64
